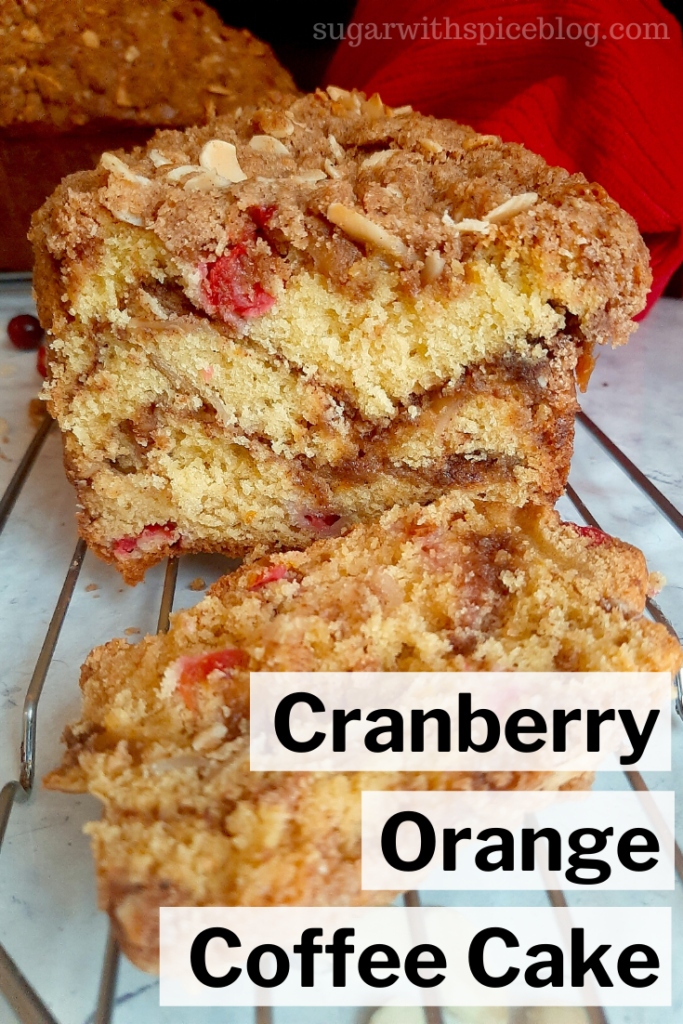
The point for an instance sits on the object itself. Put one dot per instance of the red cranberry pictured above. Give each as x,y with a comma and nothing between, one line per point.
41,365
229,287
25,332
271,574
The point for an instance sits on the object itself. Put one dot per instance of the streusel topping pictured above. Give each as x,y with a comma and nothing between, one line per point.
70,62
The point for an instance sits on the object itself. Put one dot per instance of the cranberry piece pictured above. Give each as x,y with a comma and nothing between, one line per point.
594,536
270,575
41,364
25,332
262,215
230,287
194,670
321,520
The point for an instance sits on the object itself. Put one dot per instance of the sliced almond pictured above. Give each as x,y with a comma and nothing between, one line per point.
205,181
431,146
158,158
336,150
221,157
128,218
468,224
478,141
397,111
378,159
220,90
374,106
433,268
337,94
181,172
330,169
362,229
267,145
511,207
280,127
273,122
115,165
90,39
350,100
311,176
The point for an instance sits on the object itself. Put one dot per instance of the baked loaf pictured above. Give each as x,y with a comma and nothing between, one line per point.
270,328
78,78
163,741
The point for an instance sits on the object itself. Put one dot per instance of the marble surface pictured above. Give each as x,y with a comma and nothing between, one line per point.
48,918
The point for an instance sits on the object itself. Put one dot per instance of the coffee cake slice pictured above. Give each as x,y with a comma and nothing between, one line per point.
269,328
163,741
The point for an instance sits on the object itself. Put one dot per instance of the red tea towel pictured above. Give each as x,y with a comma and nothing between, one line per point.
593,86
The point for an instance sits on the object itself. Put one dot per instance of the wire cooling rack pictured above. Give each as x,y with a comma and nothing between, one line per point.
47,914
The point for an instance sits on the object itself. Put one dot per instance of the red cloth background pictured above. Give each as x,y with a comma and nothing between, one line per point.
613,110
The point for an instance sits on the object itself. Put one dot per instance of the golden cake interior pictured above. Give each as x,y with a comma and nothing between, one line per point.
283,323
163,738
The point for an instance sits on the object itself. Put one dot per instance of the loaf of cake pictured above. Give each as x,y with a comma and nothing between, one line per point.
163,738
283,323
80,78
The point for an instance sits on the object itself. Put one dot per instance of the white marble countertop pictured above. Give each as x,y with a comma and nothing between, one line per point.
48,918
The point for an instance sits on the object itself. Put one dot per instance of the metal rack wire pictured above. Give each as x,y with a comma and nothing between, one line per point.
20,994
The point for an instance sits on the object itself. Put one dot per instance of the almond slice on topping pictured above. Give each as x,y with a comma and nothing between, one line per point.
378,159
433,268
268,145
311,176
330,169
116,166
431,146
221,157
158,158
279,127
337,151
478,141
468,224
362,229
511,207
397,111
220,90
374,106
350,100
205,181
180,172
337,94
128,218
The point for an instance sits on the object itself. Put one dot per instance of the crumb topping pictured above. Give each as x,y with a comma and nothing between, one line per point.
332,181
66,63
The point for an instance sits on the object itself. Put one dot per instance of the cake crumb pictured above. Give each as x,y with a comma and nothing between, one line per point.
131,631
91,586
198,584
